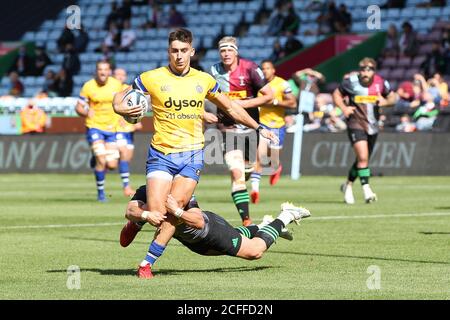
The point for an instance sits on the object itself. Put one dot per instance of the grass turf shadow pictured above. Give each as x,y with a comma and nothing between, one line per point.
434,232
132,272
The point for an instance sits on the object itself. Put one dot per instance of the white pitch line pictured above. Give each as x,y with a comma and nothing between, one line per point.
54,226
376,216
108,224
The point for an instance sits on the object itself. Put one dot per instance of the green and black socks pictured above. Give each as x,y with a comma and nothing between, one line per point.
270,232
364,175
353,173
241,200
249,231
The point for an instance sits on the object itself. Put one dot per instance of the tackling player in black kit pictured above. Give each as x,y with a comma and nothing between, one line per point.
209,234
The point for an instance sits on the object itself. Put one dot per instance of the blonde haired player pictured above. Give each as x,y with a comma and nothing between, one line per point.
242,80
95,105
125,139
271,117
175,156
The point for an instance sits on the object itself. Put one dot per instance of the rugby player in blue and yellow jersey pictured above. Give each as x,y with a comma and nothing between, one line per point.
271,116
175,156
95,104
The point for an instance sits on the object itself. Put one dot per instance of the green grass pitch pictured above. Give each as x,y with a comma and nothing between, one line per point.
50,222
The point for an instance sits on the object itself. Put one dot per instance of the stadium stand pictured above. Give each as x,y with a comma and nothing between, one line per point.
209,20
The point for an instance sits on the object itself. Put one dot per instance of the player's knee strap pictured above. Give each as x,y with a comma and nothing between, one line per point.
121,142
239,185
235,160
99,149
112,154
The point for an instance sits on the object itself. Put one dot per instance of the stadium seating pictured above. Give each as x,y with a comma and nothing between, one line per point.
54,106
209,21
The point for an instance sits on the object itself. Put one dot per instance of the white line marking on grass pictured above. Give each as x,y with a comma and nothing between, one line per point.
54,226
377,216
108,224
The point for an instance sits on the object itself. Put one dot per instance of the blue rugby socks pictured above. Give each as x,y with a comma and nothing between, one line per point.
154,252
100,180
124,170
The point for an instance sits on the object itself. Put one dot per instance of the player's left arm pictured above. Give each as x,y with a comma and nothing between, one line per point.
289,101
388,97
389,101
137,211
82,109
192,217
209,117
82,106
260,85
234,110
238,114
265,98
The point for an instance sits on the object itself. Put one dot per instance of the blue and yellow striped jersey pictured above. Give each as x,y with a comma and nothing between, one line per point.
99,98
270,115
178,105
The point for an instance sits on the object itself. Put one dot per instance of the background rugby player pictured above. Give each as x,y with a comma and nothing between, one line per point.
241,80
271,117
95,105
366,93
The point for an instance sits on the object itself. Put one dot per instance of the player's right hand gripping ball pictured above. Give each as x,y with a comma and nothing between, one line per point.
136,97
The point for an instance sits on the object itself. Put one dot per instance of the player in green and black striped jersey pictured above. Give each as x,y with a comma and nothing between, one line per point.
207,233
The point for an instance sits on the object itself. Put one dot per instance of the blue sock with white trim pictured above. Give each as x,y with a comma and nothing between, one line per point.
100,180
124,170
154,252
255,178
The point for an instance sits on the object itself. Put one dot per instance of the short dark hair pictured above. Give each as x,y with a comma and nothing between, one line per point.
102,62
181,34
368,60
406,24
268,61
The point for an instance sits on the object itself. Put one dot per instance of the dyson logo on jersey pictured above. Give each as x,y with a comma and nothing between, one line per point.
178,104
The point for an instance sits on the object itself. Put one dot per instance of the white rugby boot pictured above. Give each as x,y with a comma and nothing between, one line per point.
369,195
290,213
347,189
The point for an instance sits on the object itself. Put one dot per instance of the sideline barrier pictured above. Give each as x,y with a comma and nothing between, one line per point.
322,154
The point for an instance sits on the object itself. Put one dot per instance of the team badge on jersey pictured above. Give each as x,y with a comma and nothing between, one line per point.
241,81
165,88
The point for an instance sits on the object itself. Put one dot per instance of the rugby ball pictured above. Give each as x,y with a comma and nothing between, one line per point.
136,97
